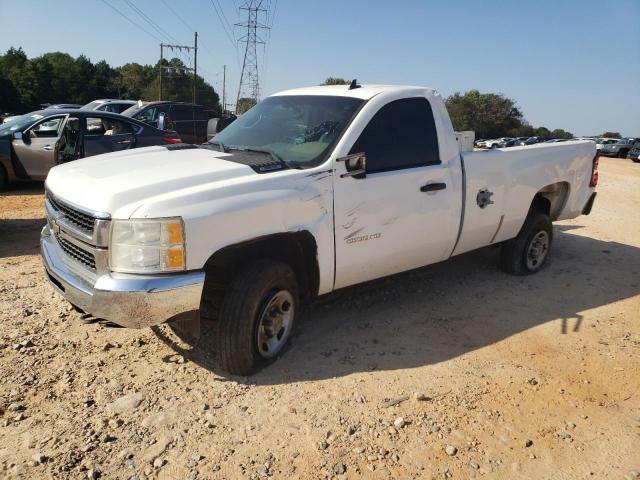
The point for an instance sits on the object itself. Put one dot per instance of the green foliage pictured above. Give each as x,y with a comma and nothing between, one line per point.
244,104
560,133
611,135
494,115
490,115
542,132
336,81
524,130
59,78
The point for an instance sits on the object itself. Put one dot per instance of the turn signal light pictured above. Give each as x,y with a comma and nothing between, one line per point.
172,140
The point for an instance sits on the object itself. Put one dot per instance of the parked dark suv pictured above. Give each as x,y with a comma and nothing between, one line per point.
189,120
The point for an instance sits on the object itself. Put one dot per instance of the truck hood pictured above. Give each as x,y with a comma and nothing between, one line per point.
118,183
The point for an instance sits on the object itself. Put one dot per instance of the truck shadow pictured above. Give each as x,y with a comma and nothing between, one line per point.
20,236
442,311
23,188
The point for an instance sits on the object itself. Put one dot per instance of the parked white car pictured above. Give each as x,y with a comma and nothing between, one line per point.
310,191
497,143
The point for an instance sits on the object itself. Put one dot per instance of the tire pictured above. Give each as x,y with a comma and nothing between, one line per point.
240,340
4,179
622,154
517,256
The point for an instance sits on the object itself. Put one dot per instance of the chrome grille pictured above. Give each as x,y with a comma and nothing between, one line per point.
83,221
77,253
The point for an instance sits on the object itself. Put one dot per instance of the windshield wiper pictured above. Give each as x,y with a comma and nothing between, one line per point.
273,154
222,146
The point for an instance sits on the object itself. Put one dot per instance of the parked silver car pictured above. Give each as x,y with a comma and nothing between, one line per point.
109,105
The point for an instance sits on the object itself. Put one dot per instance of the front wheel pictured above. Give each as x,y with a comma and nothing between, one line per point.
622,154
4,179
257,318
527,253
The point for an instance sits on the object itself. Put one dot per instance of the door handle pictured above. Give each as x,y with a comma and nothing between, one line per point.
124,142
432,187
47,147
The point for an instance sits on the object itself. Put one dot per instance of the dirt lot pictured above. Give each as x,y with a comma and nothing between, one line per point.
493,376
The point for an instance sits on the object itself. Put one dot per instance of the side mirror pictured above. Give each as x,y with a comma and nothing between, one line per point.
17,135
356,165
161,120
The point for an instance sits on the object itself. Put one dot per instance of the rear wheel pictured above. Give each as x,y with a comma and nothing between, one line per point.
527,253
257,317
622,154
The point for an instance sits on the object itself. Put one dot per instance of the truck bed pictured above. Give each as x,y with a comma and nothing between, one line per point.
513,176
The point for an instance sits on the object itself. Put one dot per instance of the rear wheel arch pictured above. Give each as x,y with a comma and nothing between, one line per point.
551,199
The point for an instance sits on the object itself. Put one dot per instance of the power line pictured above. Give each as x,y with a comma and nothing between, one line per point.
224,27
153,24
185,57
224,16
178,16
130,21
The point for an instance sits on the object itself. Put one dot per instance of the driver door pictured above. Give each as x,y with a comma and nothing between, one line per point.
36,151
402,214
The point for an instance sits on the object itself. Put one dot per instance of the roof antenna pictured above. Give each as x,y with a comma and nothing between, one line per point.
354,84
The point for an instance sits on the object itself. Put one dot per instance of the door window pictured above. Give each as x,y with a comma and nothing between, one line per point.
113,107
401,135
149,115
48,128
98,126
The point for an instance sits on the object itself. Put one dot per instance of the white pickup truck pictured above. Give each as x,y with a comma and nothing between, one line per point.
310,191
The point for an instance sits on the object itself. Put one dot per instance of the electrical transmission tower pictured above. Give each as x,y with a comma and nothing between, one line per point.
249,82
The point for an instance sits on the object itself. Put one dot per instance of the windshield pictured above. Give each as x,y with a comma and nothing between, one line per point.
133,109
20,122
299,129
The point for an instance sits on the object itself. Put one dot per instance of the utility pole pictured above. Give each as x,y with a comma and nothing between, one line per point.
249,82
160,93
195,64
184,70
224,88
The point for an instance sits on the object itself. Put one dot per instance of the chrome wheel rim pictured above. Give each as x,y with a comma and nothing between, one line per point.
274,326
537,250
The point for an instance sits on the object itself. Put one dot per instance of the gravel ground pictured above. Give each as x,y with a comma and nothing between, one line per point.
452,371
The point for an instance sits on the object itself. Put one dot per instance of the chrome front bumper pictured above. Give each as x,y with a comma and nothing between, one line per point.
134,301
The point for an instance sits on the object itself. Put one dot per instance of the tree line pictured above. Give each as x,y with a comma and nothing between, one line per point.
57,77
490,115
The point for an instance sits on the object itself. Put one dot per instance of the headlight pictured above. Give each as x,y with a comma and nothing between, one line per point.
147,245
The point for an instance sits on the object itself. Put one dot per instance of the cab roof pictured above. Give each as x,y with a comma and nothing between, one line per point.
364,92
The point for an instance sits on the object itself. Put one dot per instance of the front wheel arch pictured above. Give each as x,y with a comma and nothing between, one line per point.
297,249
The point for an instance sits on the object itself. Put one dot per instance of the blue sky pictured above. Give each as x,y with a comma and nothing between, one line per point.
572,64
